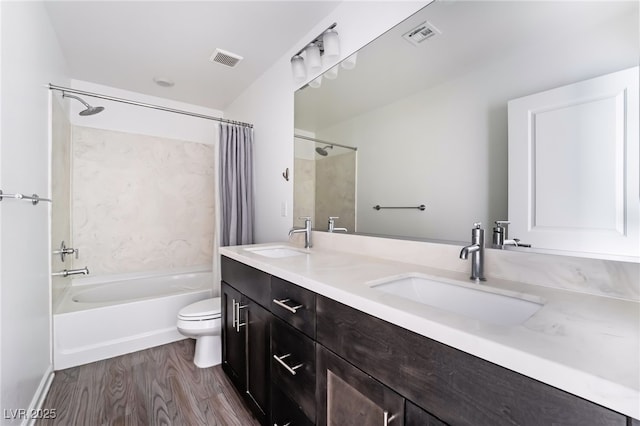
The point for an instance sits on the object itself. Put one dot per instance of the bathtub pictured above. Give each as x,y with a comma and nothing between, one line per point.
106,316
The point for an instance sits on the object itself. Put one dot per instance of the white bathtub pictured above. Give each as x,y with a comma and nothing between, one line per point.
107,316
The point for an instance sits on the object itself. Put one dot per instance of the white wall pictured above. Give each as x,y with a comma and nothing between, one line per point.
31,58
145,121
268,104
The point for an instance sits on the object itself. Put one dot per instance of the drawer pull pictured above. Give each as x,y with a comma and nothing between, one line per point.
283,303
291,370
286,424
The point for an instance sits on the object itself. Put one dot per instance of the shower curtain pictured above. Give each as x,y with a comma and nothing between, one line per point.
236,185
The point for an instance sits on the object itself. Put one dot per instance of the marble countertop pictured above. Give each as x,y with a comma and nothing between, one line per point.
584,344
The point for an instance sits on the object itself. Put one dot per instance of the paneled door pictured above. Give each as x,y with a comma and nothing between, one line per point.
573,167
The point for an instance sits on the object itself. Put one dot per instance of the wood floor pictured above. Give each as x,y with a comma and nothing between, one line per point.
157,386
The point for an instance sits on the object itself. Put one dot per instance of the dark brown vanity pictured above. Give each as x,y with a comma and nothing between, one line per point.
300,358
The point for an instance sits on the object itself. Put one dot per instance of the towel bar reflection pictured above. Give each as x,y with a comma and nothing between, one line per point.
35,198
421,207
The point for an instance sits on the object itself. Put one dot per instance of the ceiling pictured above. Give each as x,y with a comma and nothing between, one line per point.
125,44
473,33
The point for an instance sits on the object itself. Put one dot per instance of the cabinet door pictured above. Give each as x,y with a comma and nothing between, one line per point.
257,321
349,397
284,411
233,337
573,167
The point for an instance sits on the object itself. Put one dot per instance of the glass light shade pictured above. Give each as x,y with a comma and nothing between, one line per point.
298,70
315,83
331,44
312,58
350,62
332,73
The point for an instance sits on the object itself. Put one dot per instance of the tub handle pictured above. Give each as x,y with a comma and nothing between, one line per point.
64,251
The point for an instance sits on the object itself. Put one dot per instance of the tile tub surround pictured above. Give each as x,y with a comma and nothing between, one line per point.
61,193
582,343
141,202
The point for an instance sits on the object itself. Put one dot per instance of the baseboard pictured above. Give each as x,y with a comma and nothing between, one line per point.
35,407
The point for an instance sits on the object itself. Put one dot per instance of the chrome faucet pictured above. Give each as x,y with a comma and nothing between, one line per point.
332,225
476,248
500,238
306,230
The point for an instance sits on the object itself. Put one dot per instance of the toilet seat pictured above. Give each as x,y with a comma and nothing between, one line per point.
203,310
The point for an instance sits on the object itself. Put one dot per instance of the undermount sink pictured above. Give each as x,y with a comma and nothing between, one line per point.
276,251
484,304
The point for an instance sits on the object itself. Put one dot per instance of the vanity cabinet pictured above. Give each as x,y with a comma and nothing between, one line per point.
457,388
246,334
300,358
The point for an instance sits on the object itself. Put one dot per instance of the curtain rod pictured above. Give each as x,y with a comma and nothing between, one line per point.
325,142
142,104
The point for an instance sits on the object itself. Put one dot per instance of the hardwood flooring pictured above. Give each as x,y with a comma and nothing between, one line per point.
157,386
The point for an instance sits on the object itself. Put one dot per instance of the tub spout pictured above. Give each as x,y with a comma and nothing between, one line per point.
67,272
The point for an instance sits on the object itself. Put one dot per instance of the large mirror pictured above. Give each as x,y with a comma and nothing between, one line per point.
429,119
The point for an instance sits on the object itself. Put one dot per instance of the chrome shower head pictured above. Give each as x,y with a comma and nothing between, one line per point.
91,110
323,151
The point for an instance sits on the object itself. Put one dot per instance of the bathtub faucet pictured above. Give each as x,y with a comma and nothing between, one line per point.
67,272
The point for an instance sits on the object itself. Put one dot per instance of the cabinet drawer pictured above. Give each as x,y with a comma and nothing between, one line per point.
286,412
293,365
295,305
416,416
249,281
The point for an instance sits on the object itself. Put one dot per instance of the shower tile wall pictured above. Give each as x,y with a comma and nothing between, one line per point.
141,203
336,190
304,190
61,195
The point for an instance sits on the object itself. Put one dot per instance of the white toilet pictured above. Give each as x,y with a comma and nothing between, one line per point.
201,321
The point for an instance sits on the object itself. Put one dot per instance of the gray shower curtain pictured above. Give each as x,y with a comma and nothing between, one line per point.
236,185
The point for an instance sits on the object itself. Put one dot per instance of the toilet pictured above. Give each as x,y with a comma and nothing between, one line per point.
201,321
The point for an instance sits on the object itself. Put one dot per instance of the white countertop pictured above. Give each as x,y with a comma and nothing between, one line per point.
584,344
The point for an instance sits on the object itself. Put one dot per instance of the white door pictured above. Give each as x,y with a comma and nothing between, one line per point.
573,167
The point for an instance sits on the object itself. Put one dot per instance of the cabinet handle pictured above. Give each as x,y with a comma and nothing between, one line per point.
386,418
283,303
237,309
233,313
286,424
291,370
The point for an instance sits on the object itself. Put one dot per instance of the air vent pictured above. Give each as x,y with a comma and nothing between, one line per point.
422,32
225,58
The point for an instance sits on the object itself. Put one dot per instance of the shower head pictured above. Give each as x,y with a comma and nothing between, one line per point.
323,151
90,109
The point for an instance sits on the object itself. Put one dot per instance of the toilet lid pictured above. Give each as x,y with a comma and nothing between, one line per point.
204,309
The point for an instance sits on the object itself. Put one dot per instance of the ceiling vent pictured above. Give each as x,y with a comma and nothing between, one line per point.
225,58
422,32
